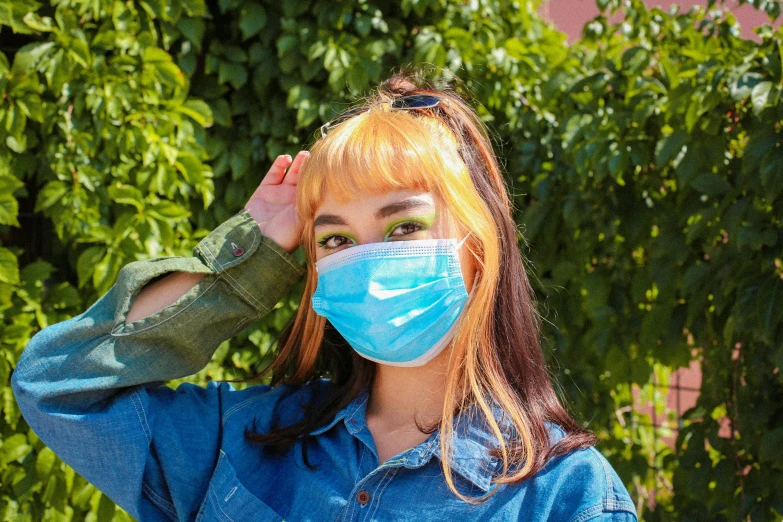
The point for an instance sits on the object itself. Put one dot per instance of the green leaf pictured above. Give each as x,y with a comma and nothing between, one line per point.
80,52
18,145
358,78
771,442
9,267
27,58
193,29
168,210
38,23
198,110
14,447
106,509
252,19
44,462
221,111
9,184
286,44
154,55
127,195
232,73
85,266
170,74
31,106
51,194
760,96
9,209
105,272
743,87
669,147
635,60
710,184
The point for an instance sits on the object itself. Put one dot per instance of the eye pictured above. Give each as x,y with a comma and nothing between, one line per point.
333,241
404,229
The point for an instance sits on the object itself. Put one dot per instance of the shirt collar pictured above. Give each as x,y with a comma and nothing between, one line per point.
471,441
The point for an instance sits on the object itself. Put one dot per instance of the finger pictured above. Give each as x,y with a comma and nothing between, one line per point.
277,170
293,173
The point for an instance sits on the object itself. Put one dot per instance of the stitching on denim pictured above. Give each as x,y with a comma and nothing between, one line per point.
281,256
203,244
125,334
352,504
233,409
587,513
358,472
216,506
239,288
356,408
359,468
607,475
223,271
255,241
376,498
230,494
353,501
142,422
158,500
619,505
211,492
144,413
473,477
240,325
326,427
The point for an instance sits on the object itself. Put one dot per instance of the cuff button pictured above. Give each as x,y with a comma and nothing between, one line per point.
237,250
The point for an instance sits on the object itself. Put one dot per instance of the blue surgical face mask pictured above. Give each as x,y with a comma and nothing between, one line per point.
395,302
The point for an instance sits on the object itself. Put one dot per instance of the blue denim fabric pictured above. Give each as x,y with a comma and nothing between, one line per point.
91,388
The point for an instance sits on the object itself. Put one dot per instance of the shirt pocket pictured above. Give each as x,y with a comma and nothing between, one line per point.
227,499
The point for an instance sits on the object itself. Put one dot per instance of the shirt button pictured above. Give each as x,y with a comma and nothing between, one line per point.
238,250
362,497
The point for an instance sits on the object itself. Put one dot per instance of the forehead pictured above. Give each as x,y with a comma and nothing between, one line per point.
368,203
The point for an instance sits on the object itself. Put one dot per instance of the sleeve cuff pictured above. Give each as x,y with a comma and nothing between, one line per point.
256,267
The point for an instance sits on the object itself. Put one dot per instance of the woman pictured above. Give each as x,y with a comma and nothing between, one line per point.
416,304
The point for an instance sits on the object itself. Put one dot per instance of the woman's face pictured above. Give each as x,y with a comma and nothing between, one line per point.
395,216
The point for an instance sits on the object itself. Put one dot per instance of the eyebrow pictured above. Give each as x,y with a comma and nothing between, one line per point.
399,206
386,211
328,219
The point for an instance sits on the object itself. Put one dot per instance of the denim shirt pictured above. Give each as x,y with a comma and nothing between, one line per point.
91,388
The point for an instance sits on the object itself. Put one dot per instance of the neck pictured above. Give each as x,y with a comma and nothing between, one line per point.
400,396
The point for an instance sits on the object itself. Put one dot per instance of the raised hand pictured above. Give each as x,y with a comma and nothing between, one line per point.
273,204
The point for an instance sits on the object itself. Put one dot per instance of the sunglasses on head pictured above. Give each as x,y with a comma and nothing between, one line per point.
415,101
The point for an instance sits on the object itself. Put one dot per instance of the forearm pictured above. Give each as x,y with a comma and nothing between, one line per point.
156,296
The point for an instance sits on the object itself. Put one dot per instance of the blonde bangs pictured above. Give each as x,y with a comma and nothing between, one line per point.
376,152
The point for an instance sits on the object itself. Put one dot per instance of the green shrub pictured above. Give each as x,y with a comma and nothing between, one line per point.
644,159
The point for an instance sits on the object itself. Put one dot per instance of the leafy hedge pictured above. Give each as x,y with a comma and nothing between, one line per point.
644,160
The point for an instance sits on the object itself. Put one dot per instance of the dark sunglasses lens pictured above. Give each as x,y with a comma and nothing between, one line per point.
415,102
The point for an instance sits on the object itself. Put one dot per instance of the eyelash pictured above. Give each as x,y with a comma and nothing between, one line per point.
418,228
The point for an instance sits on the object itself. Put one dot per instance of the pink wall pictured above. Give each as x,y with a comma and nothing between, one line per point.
570,15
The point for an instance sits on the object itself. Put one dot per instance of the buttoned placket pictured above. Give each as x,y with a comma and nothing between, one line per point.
367,494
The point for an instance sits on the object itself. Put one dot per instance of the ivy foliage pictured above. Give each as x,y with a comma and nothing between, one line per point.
644,160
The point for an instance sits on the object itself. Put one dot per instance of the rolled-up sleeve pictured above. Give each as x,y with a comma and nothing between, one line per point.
90,386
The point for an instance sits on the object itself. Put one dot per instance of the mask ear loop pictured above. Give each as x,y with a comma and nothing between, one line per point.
477,274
